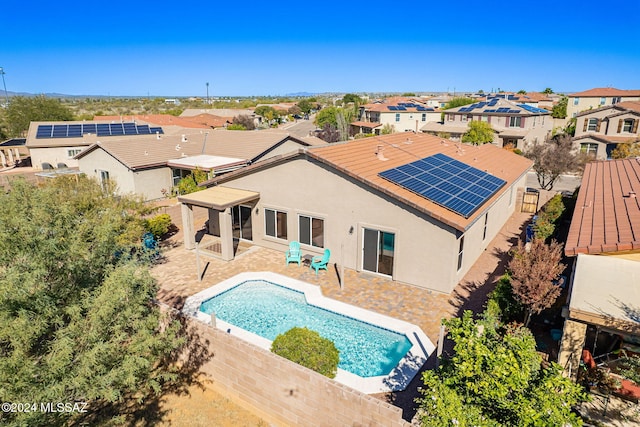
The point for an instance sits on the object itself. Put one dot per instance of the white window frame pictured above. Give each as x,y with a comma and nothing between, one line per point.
576,101
589,148
275,223
515,121
603,100
72,152
397,117
424,117
592,125
310,237
628,128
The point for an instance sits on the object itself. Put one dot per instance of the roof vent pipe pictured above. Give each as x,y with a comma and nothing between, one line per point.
184,138
157,135
379,153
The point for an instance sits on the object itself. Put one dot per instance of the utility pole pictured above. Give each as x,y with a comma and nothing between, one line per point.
207,93
6,97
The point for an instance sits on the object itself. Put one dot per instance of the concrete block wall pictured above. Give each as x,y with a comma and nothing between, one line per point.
286,393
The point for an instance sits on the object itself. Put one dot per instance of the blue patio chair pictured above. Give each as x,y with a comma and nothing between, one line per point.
294,254
318,262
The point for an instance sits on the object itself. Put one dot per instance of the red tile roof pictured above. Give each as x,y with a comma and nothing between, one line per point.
606,91
607,213
358,159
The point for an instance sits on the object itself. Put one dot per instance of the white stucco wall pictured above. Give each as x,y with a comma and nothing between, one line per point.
53,155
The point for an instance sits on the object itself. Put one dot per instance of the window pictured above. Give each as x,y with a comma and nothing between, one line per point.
311,231
603,100
460,251
515,122
589,148
484,232
397,117
104,178
592,125
451,117
424,117
463,118
178,174
485,118
615,99
627,125
72,152
576,101
275,223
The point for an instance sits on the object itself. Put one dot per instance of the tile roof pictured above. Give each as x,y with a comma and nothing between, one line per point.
358,159
509,107
606,138
607,213
606,91
629,105
148,151
366,124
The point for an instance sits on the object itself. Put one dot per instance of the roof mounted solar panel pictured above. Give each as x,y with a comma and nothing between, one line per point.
447,182
116,129
60,131
143,130
89,128
156,130
44,131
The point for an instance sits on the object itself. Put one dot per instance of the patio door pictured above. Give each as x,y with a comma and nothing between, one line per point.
378,249
242,222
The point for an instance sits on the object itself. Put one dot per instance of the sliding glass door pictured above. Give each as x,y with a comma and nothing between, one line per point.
378,249
242,222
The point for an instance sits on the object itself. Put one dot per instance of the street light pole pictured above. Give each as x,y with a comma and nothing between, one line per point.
6,97
207,93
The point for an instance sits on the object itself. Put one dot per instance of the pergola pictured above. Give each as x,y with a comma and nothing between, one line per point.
221,199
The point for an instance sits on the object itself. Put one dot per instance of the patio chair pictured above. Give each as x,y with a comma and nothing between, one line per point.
294,254
318,262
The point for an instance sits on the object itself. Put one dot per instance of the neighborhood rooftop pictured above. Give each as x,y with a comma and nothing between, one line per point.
607,213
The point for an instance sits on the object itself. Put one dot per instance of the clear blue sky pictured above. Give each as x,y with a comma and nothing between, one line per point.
142,48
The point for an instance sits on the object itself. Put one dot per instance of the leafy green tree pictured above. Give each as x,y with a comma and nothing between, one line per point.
327,116
548,91
408,94
552,158
295,110
307,348
269,113
458,102
306,106
387,129
189,184
24,110
559,111
158,225
548,217
533,272
352,98
626,150
502,295
479,133
522,92
495,378
76,319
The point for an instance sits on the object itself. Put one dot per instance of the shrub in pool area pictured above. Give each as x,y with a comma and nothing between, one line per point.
307,348
158,225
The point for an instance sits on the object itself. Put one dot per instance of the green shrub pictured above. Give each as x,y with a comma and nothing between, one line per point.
158,225
307,348
236,127
502,295
548,216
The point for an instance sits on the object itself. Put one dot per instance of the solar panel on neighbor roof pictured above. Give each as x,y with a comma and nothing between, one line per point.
448,182
100,129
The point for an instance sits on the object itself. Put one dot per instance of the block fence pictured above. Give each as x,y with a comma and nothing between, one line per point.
284,392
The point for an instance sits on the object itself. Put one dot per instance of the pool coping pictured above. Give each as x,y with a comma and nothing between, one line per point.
397,380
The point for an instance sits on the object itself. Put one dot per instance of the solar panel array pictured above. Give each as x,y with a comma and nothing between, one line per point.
402,106
448,182
532,109
100,129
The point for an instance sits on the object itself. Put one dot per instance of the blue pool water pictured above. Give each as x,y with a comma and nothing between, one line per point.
267,310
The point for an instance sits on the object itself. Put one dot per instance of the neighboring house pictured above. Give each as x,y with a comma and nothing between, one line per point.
12,151
55,144
515,124
227,114
402,114
598,97
150,165
603,312
600,130
355,198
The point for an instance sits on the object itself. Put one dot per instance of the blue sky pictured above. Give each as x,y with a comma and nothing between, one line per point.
142,48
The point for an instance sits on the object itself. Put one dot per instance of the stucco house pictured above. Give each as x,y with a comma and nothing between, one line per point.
389,205
401,113
603,310
150,165
515,124
598,97
600,130
55,144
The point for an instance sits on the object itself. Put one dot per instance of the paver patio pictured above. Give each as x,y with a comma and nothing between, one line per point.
178,279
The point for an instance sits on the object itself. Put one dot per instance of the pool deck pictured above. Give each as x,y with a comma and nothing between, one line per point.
177,278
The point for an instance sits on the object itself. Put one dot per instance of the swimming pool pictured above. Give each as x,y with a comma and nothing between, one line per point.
377,352
267,309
